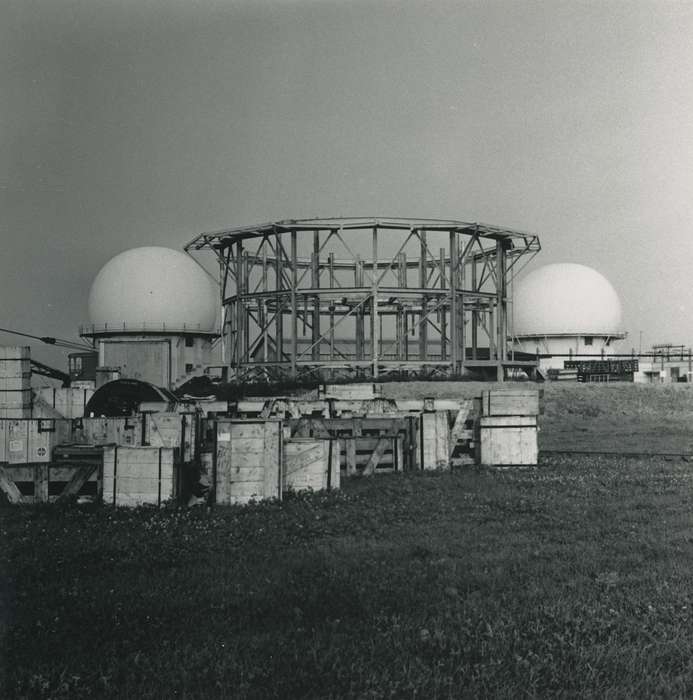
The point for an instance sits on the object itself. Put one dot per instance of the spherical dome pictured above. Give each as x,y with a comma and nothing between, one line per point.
153,288
566,298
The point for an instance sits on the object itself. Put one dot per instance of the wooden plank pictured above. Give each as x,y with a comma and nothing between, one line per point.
382,445
301,455
510,402
458,429
350,457
255,445
273,459
306,464
9,488
508,440
255,474
435,441
41,483
138,475
80,476
399,453
492,422
248,460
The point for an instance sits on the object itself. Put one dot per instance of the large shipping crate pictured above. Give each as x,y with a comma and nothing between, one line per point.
24,441
311,464
248,462
136,476
69,402
508,440
172,429
15,352
510,402
104,431
13,384
15,413
15,398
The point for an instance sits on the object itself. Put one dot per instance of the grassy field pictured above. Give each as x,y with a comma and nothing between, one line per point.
571,579
613,417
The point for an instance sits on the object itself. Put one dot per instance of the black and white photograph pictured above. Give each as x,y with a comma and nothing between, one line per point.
346,349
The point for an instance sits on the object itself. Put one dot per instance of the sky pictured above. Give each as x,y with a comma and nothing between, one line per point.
145,122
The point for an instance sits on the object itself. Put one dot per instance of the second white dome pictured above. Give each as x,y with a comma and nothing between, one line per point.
566,298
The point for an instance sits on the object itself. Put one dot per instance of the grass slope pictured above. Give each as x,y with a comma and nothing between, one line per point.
611,417
570,579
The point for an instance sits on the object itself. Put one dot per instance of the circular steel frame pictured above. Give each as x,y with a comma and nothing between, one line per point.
366,297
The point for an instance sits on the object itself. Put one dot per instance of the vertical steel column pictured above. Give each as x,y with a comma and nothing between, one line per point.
405,316
239,304
294,310
279,301
375,334
454,339
475,312
461,332
358,283
262,305
223,272
423,283
502,311
331,264
246,307
398,313
442,310
315,283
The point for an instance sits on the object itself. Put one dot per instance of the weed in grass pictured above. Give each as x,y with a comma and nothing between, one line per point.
569,579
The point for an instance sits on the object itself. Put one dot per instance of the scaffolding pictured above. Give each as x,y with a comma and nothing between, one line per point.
367,297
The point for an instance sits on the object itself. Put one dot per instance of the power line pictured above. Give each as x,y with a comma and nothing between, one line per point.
49,340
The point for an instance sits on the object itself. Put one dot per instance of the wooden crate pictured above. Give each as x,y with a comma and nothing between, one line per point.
16,398
15,413
24,441
366,455
69,402
248,464
105,431
21,383
367,445
511,402
350,391
14,352
434,442
72,472
508,440
136,476
172,429
311,464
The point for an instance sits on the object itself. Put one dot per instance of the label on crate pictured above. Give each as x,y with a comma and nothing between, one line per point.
41,451
15,446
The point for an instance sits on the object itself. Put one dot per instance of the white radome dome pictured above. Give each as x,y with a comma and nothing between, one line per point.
153,288
566,298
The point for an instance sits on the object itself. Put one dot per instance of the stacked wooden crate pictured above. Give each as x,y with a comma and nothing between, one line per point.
508,427
136,476
68,402
15,382
310,464
248,461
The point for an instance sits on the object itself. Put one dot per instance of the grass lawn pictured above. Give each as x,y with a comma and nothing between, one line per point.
571,579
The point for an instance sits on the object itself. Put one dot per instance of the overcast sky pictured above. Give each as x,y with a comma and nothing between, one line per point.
135,122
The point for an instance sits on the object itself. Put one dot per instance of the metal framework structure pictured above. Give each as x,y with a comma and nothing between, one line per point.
366,297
